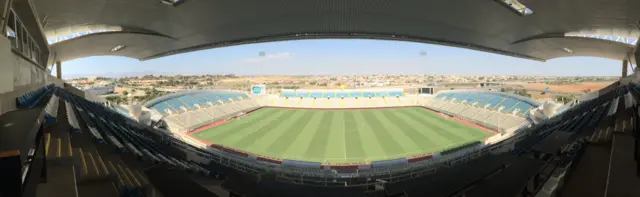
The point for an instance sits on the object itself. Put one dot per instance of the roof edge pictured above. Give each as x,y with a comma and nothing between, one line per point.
350,35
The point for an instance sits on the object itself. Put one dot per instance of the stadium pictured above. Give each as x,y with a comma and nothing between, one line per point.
311,127
343,132
58,140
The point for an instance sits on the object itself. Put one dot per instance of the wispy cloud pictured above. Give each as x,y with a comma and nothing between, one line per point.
270,57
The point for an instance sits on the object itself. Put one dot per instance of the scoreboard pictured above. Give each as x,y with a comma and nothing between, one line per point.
258,89
426,90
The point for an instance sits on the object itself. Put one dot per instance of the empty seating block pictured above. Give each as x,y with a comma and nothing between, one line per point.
492,100
193,100
30,99
127,138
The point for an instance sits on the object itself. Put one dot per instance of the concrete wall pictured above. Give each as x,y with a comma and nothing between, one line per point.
17,76
74,90
49,79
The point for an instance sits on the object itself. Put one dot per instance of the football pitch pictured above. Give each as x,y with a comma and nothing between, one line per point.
342,136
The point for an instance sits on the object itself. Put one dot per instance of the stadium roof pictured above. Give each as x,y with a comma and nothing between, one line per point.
533,29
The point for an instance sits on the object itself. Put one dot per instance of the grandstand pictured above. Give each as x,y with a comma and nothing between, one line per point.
495,110
461,125
186,111
187,101
350,129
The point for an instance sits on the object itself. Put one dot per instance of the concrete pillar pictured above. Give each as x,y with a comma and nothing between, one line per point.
7,67
625,64
59,69
634,57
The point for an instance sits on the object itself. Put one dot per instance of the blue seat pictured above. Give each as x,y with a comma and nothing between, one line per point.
523,108
189,101
288,94
368,94
315,95
471,98
356,94
30,99
329,95
494,101
226,97
213,97
176,104
242,96
303,94
508,104
342,94
454,96
202,99
461,97
161,108
396,94
380,94
483,98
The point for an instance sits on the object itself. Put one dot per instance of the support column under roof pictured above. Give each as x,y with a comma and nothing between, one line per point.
625,64
59,69
636,55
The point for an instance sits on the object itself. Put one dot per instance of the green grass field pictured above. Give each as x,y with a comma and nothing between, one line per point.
342,136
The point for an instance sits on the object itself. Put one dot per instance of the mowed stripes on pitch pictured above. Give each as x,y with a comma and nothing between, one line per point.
342,136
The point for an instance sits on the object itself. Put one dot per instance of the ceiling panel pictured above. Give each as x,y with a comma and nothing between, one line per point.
482,25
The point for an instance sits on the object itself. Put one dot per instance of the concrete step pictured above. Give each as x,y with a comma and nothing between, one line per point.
128,179
57,146
61,181
141,178
98,189
92,167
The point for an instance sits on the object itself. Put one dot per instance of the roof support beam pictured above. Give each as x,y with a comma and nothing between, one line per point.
59,69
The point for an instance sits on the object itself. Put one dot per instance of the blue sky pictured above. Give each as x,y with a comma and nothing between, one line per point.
340,57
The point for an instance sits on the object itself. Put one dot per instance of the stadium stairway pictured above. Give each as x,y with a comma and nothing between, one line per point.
99,170
102,162
103,158
602,168
121,149
600,126
60,168
75,170
78,163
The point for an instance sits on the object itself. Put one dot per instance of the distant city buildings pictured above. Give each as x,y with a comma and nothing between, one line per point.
101,90
145,82
149,86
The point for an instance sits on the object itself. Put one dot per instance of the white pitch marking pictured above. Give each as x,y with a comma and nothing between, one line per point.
344,139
